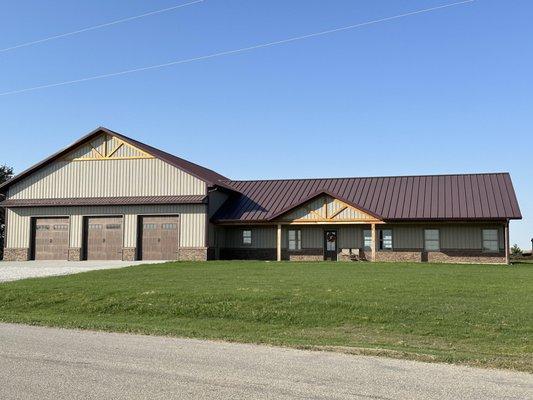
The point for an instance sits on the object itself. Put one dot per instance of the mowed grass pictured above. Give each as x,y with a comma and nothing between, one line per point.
469,314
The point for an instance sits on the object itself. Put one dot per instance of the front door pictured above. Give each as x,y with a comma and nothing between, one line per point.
330,245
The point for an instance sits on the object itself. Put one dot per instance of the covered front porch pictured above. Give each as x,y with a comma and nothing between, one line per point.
346,232
321,228
330,242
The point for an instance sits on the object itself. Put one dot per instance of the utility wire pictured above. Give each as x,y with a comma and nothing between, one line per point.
241,50
92,28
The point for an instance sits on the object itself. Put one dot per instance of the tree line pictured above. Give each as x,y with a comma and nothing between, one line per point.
6,173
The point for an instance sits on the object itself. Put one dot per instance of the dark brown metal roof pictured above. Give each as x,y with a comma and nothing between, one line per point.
403,198
105,201
210,177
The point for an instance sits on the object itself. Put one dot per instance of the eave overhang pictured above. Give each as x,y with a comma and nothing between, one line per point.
105,201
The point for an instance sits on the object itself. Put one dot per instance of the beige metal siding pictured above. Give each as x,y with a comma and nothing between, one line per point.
103,178
192,222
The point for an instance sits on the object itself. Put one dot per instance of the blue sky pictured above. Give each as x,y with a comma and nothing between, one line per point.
443,92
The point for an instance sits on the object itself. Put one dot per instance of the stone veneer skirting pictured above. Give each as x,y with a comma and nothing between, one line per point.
129,254
466,256
21,254
74,254
408,255
398,256
303,255
193,253
443,256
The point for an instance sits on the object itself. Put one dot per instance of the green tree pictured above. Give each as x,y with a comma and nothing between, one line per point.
6,173
515,250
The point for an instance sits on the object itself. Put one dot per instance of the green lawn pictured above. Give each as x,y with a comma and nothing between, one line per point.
469,314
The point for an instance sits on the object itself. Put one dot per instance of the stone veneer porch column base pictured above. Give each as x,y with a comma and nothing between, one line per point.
20,254
192,254
74,254
129,254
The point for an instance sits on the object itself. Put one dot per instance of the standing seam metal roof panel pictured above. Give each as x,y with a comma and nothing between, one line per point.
402,198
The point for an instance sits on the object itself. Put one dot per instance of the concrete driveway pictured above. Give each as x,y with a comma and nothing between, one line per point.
47,363
12,271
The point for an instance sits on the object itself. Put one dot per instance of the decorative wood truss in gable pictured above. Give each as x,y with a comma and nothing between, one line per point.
327,210
107,147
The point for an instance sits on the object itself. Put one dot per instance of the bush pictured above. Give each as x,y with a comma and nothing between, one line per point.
515,250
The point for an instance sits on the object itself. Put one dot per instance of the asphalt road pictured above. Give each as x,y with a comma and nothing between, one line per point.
45,363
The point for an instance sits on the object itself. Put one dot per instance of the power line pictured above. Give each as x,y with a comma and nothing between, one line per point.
241,50
92,28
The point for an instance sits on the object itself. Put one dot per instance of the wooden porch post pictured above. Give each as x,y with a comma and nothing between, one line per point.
373,226
278,244
506,243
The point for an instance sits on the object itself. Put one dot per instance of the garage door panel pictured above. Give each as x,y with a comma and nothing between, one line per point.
104,238
51,238
159,237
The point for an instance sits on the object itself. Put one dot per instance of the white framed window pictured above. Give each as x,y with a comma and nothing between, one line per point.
247,237
431,240
367,242
490,240
385,239
295,239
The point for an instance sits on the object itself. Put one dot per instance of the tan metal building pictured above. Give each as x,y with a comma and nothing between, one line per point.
107,196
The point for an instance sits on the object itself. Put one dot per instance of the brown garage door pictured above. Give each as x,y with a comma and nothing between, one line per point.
159,238
104,238
50,239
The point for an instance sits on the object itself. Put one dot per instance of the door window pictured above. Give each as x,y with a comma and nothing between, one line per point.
331,241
